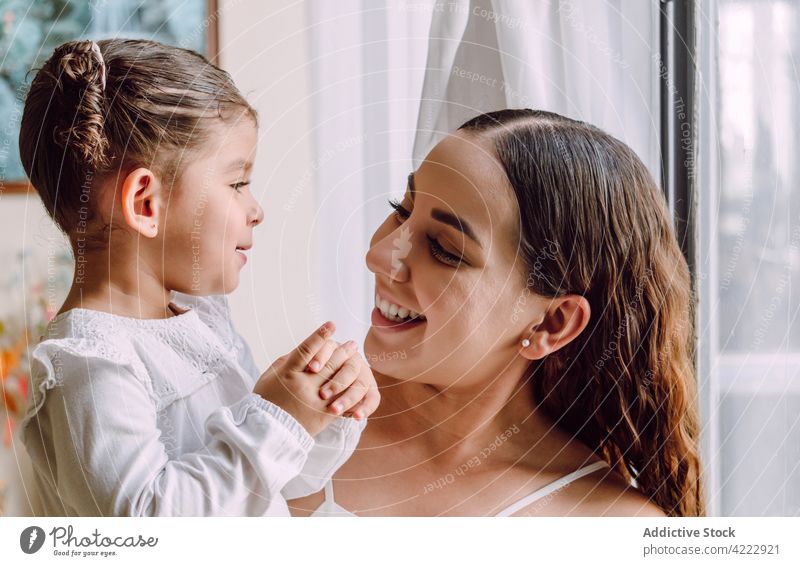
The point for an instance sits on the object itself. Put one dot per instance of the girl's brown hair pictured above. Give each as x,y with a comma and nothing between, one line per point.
139,103
593,222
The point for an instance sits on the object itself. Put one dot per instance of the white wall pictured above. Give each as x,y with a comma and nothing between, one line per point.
264,47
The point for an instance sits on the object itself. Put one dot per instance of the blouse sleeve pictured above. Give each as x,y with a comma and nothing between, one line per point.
333,446
99,423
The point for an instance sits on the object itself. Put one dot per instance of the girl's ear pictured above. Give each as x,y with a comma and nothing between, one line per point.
564,319
141,201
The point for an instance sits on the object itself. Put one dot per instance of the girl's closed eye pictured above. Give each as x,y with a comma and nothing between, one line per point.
437,250
238,186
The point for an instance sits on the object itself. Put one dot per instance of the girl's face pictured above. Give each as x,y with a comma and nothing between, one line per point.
209,220
449,251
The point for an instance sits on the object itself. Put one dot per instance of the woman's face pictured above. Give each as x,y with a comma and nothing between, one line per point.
450,252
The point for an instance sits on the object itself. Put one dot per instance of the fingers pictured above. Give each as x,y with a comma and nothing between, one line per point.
339,356
300,357
322,357
368,404
353,395
343,378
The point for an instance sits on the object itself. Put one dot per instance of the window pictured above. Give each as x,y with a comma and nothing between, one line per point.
757,283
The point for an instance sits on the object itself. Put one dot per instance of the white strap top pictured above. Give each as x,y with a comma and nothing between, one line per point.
329,507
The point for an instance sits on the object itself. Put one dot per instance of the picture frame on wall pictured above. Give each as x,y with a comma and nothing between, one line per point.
31,29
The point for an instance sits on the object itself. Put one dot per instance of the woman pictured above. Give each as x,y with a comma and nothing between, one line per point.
549,369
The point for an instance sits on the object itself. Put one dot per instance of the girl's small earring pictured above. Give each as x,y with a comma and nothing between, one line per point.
525,342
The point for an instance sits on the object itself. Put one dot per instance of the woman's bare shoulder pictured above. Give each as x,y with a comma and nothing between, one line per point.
603,493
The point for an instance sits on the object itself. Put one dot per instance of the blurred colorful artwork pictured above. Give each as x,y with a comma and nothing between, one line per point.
31,29
33,289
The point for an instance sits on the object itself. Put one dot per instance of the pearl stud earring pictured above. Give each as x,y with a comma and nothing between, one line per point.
525,342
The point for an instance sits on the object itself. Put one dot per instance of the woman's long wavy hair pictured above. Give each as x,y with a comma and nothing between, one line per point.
626,386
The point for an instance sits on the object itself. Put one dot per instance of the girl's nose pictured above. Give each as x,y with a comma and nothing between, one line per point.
256,215
388,256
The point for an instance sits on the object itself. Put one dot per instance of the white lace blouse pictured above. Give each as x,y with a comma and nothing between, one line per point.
157,417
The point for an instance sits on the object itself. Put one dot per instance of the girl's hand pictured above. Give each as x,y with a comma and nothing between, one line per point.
353,390
289,384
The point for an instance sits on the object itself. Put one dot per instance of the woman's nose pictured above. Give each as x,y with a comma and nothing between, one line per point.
388,255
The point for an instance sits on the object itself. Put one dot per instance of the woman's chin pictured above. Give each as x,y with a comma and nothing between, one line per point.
381,357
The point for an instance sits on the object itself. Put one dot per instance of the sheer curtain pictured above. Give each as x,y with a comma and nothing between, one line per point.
367,62
593,61
750,236
376,98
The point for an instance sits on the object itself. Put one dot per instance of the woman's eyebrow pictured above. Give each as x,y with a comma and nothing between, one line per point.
456,222
446,217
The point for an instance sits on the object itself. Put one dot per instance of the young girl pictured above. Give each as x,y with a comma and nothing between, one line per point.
144,399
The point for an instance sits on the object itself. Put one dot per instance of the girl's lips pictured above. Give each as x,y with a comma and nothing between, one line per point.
242,256
381,322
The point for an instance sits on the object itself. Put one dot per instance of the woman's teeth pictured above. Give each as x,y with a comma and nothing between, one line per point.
395,312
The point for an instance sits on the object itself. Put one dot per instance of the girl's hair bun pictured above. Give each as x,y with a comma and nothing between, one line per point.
79,76
96,109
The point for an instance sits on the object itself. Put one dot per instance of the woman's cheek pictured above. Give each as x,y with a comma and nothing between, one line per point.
471,313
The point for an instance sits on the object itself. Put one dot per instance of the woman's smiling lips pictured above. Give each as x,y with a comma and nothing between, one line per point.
390,315
381,322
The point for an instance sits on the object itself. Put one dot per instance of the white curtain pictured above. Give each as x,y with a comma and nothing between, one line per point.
586,59
750,255
367,62
377,102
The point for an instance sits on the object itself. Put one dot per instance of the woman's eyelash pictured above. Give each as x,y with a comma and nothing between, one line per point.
436,249
399,209
441,254
237,186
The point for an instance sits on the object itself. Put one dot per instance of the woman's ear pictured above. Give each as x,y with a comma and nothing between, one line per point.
564,319
141,201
